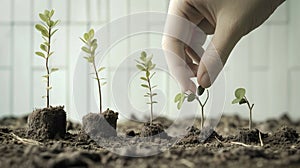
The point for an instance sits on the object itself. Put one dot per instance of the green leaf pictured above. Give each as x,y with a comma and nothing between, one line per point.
240,93
56,23
200,90
40,54
243,101
235,101
104,83
140,67
47,13
178,97
51,13
85,49
40,28
154,86
45,39
147,74
191,97
143,56
144,79
43,17
91,33
101,69
45,76
45,33
149,60
153,102
46,44
180,102
94,47
89,59
50,54
83,40
94,41
51,23
43,47
145,86
154,94
54,70
44,97
179,105
152,67
152,75
54,32
86,36
146,95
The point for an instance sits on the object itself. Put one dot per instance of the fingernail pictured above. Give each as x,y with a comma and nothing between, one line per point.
205,80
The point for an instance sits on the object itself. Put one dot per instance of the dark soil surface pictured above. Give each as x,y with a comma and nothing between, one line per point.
47,123
274,143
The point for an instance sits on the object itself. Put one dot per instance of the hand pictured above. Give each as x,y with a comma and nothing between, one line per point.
228,20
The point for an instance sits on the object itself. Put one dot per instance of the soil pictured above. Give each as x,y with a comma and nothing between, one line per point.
228,145
100,125
47,123
154,129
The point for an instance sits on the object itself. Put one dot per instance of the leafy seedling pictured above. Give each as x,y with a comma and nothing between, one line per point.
47,30
89,49
181,97
145,65
240,97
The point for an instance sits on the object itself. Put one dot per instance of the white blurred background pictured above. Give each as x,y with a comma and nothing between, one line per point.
266,62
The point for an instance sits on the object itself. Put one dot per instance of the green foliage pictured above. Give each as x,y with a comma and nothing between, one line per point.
47,30
240,97
89,48
200,91
181,97
90,45
146,65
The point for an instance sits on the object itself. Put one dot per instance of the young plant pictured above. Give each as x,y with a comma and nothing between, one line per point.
47,30
181,97
240,97
145,65
89,49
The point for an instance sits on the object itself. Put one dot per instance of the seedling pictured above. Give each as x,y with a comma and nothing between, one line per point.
89,49
145,65
181,97
240,97
47,30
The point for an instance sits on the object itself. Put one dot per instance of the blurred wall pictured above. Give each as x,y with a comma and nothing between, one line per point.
266,62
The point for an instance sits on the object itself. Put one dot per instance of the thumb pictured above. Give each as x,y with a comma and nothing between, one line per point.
216,54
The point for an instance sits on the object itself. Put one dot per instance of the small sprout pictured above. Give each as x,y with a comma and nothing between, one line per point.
145,65
46,28
181,97
89,49
240,97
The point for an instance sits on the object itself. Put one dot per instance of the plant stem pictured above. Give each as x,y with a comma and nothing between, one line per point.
151,101
202,112
250,112
202,117
202,105
47,68
99,86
